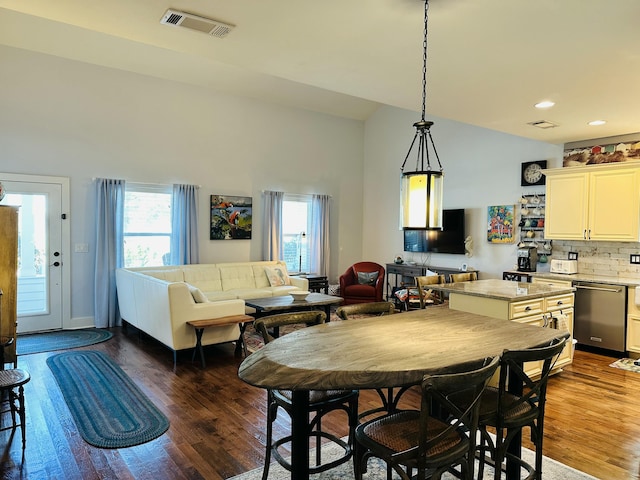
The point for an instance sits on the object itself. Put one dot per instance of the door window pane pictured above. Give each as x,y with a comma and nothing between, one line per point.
33,266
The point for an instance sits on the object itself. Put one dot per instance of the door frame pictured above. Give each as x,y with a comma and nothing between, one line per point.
65,244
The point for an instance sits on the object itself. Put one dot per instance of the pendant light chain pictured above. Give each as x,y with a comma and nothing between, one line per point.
424,61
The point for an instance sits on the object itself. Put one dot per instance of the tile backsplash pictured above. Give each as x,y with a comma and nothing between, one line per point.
600,258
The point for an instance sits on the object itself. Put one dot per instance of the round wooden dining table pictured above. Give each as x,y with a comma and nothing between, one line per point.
379,352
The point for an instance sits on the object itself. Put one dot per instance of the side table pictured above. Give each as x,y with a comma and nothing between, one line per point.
318,283
200,325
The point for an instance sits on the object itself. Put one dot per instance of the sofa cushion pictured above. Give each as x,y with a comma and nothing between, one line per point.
205,277
166,274
237,277
367,278
197,294
217,295
282,290
277,276
260,275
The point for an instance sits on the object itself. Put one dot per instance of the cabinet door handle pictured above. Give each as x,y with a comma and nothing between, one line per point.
527,308
584,235
559,302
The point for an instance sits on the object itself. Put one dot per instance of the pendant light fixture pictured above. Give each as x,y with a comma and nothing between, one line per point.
421,190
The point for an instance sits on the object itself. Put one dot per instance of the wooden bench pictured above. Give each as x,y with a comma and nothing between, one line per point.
200,325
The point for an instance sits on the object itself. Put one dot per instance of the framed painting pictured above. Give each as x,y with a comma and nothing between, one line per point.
231,217
500,227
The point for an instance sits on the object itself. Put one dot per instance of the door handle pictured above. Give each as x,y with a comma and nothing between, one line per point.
599,289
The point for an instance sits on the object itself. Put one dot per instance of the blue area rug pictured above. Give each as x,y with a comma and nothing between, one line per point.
60,340
110,411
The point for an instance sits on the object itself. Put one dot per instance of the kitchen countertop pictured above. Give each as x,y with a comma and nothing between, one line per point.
502,289
582,277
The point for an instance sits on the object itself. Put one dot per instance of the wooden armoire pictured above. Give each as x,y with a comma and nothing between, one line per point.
9,281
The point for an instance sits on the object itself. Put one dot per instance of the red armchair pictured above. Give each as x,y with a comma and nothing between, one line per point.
363,282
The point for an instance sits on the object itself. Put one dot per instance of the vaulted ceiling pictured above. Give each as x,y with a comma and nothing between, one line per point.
489,61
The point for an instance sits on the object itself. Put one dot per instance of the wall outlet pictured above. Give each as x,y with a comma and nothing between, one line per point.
635,258
573,256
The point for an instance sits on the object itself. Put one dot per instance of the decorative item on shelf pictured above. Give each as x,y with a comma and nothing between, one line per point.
398,260
421,190
468,246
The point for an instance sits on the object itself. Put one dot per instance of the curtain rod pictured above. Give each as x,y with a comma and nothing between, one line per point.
289,193
144,183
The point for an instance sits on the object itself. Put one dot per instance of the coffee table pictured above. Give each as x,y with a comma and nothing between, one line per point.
282,303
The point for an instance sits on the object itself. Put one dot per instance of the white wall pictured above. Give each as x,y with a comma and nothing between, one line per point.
482,168
65,118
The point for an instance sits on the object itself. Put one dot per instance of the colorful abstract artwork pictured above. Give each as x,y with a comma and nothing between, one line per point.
230,217
500,224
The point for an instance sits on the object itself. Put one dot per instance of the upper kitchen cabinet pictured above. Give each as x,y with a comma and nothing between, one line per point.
599,202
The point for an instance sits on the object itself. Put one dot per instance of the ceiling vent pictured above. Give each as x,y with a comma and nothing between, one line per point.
543,124
194,22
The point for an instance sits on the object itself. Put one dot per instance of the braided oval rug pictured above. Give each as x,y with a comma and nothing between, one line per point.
60,340
109,410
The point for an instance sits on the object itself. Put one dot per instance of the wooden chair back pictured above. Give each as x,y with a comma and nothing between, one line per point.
268,324
425,294
368,309
463,277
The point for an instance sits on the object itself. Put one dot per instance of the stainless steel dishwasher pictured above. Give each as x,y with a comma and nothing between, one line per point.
600,315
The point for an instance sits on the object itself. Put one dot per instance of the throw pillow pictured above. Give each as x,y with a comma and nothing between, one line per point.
277,276
367,278
197,294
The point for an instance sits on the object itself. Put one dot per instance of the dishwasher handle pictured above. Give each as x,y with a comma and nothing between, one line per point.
599,289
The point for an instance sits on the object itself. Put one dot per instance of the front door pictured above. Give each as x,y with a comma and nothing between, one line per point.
40,253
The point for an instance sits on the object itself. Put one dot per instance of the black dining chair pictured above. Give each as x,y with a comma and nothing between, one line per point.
320,402
438,437
510,413
389,396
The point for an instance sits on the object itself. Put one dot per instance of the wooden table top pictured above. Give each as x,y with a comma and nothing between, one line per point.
384,351
283,301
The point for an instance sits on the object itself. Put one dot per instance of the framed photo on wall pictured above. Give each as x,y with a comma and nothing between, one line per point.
231,217
500,220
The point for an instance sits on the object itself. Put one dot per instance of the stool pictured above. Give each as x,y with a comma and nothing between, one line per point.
9,381
200,325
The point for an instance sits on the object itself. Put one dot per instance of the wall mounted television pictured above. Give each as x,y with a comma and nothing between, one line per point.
448,240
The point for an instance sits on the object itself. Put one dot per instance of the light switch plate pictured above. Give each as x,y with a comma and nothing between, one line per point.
635,258
81,248
573,256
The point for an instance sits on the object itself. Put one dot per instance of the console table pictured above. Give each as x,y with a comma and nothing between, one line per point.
405,270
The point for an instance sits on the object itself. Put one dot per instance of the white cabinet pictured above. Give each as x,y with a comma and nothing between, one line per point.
551,311
599,202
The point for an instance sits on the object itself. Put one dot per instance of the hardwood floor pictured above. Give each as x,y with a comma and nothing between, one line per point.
218,422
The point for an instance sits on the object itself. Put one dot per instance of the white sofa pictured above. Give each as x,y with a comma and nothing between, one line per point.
161,300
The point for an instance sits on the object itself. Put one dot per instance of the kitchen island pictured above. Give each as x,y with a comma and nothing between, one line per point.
536,304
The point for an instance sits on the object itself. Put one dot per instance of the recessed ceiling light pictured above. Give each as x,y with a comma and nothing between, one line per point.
545,104
595,123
